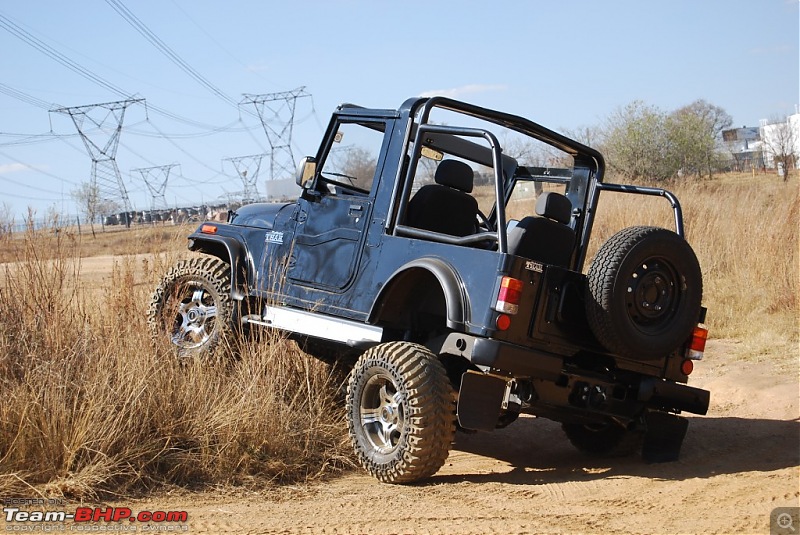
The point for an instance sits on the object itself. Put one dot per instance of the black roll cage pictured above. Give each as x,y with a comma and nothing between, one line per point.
590,160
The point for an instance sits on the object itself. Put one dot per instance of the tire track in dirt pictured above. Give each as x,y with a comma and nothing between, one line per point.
738,463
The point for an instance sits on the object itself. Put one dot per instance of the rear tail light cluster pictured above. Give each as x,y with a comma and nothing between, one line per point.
695,348
509,296
697,343
508,299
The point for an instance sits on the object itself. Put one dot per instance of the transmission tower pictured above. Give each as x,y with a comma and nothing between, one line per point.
99,126
247,168
276,112
156,180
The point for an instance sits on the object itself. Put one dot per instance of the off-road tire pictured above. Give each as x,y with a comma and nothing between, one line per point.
644,293
192,307
400,412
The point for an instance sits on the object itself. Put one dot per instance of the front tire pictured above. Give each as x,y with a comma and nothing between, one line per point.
400,412
192,307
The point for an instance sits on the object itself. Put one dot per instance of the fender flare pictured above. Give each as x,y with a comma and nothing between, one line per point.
230,250
455,293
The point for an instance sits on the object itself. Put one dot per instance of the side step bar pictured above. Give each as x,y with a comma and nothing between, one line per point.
349,332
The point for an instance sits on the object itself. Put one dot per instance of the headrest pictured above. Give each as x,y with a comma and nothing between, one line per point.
553,205
455,174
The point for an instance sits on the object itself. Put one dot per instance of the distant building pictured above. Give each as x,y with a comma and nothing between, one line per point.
782,136
740,139
745,147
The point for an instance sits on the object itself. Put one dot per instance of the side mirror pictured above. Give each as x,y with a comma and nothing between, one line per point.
306,171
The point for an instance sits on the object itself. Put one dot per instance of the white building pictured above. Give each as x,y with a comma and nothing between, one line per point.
781,136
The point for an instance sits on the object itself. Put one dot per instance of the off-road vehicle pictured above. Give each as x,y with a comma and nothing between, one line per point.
438,251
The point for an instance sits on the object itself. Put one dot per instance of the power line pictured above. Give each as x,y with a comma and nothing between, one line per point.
41,171
26,36
25,97
19,32
162,47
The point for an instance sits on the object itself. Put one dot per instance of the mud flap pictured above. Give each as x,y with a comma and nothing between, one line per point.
480,401
664,437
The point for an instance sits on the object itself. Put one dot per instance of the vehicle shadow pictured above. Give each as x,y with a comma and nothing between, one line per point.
539,453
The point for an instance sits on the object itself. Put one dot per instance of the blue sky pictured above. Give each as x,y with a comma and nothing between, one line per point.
565,64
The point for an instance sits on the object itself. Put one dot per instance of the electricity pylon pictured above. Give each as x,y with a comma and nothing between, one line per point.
247,168
276,112
155,178
100,126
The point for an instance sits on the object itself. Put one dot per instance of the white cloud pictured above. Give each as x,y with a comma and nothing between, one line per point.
469,89
8,168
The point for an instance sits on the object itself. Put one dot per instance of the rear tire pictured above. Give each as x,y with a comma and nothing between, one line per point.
644,293
596,440
400,412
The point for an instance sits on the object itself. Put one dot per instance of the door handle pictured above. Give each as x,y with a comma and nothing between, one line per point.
355,209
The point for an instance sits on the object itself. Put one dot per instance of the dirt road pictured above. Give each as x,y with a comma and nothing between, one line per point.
738,464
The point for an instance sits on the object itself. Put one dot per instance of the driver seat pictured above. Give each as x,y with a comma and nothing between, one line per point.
447,206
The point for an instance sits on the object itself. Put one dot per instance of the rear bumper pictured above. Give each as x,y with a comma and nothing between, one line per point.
518,361
669,396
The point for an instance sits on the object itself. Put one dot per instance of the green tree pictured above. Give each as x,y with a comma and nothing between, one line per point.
643,142
695,134
636,143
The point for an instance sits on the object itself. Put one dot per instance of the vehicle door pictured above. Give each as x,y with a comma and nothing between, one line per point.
334,212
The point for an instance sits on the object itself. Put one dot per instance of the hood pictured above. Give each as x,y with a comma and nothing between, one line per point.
261,215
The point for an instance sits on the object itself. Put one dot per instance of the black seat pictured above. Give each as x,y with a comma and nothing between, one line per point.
545,238
446,206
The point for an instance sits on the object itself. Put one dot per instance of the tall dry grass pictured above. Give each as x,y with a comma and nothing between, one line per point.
90,408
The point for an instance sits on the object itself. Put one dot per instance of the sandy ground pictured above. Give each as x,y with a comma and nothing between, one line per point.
738,463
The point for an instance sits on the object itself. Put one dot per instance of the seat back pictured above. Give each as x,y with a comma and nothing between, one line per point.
546,238
446,206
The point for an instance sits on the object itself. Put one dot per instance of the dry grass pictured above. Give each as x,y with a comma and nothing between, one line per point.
116,240
90,408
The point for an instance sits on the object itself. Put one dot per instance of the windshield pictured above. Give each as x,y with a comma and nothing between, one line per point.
352,160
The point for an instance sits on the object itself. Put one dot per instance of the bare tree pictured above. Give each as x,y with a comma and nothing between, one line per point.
6,220
91,204
781,140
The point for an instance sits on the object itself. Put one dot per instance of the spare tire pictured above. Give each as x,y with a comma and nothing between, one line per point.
644,293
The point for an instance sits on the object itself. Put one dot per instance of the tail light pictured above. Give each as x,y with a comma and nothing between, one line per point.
509,295
697,344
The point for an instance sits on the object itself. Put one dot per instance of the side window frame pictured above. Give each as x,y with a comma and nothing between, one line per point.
321,181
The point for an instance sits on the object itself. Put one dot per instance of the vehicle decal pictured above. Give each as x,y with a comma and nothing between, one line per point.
274,237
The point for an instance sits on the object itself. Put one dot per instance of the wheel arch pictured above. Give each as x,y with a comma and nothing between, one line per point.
420,275
230,250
